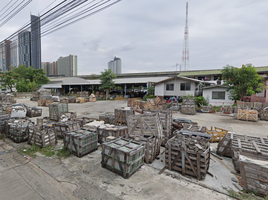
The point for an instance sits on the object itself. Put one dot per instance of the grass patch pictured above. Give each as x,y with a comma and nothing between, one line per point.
244,195
31,151
2,136
47,151
63,153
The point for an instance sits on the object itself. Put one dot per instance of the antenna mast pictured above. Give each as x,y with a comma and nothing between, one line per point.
185,50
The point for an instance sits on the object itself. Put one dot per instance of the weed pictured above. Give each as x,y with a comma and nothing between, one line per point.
30,151
63,153
47,151
245,194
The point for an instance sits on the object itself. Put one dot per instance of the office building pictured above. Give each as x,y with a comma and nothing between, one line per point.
115,65
35,42
25,48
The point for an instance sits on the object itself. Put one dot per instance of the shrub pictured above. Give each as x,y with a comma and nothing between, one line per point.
200,100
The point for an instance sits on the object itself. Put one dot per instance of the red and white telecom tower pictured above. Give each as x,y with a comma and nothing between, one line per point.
185,50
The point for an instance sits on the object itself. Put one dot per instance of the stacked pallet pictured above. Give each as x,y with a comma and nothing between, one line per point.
156,103
122,156
247,115
188,106
216,134
106,131
56,110
166,121
121,114
81,142
61,127
189,155
41,137
134,103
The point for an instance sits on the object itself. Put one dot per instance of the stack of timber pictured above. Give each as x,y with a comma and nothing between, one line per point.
188,106
251,149
17,129
225,145
189,155
81,142
254,175
194,128
34,112
264,114
108,119
156,103
134,103
64,100
122,156
247,115
121,114
61,127
216,134
166,121
56,110
145,125
41,137
105,131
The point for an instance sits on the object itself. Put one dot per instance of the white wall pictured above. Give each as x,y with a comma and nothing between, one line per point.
207,93
159,89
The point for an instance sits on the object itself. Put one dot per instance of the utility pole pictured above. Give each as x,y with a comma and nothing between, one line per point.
185,50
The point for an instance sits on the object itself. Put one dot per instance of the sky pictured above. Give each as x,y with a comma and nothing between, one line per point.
148,35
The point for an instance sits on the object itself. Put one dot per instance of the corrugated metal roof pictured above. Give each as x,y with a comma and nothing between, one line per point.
200,73
51,86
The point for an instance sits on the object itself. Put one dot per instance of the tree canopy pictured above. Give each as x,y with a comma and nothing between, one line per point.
23,78
244,81
107,82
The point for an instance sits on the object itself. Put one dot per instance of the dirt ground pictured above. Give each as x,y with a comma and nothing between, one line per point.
84,178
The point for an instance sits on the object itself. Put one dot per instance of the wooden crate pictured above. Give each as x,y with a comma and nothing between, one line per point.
248,115
206,109
121,114
194,127
81,142
250,149
188,101
56,110
225,145
115,131
108,119
254,175
188,109
72,100
122,156
188,155
264,114
16,129
227,110
217,134
166,121
42,138
64,100
34,112
145,125
61,127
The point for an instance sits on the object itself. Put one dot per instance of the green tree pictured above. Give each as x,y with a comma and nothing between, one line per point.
107,82
9,79
151,90
242,82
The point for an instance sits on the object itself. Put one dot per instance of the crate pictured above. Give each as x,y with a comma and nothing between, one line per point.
121,114
194,127
17,129
264,114
56,110
41,138
216,134
254,175
225,145
64,100
61,127
34,112
145,125
166,121
72,100
188,101
122,156
188,155
81,142
108,119
247,115
115,131
206,109
250,149
188,109
227,110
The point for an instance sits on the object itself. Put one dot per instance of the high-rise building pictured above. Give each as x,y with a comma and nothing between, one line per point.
14,60
35,42
115,65
25,48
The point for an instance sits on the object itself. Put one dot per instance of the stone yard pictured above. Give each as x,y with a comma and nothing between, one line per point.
23,177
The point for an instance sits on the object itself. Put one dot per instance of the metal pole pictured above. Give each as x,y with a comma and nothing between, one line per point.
125,90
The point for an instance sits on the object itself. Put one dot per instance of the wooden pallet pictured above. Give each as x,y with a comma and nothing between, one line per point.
179,157
247,115
217,134
121,114
42,138
61,127
254,175
122,156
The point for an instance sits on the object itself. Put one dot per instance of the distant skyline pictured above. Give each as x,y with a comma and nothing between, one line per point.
148,35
